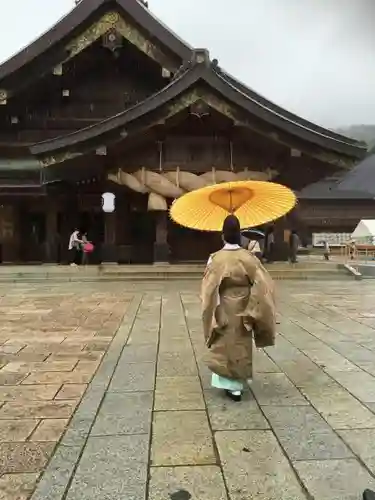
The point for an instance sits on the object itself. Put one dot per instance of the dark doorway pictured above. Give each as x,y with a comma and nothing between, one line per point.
142,233
33,236
188,245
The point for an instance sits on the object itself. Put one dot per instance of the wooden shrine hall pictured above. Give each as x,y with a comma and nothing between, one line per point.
111,100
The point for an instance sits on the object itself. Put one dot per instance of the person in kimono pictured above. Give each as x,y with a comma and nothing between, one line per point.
237,305
293,246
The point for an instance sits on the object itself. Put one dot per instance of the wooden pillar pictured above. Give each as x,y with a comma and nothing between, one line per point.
8,243
109,248
52,237
70,213
161,247
281,235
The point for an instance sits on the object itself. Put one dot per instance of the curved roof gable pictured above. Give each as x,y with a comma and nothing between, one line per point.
361,178
327,189
201,69
143,17
76,17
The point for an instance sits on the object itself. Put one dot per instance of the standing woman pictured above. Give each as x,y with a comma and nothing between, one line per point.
75,249
237,305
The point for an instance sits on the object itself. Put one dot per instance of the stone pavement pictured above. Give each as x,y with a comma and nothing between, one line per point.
114,373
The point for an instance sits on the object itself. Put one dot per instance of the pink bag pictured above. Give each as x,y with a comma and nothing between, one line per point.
88,247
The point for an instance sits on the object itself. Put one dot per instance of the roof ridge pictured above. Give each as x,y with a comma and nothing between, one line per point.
77,15
287,114
199,67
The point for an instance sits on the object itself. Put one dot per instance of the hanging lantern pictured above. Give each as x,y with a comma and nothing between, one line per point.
108,202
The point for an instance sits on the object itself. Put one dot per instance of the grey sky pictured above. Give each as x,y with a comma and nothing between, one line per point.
313,57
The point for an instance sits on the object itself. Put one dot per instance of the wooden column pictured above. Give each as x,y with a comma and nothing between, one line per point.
281,234
69,221
161,247
8,237
109,249
52,237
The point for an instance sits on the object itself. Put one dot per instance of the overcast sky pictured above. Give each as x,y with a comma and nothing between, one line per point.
313,57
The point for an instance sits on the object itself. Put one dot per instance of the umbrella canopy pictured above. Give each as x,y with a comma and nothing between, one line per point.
253,202
361,179
253,234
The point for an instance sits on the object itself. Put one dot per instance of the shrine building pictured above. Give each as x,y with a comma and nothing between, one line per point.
111,100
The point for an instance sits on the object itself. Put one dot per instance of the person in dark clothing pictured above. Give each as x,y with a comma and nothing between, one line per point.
269,245
293,246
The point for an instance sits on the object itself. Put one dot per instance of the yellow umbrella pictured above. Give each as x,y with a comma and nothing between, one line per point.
253,202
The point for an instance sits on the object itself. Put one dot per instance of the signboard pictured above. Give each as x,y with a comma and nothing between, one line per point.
333,239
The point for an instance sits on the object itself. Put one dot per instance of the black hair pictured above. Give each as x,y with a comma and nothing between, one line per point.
232,230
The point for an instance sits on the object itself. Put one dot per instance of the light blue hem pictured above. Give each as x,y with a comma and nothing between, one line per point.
226,383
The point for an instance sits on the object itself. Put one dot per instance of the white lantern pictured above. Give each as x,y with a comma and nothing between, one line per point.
108,202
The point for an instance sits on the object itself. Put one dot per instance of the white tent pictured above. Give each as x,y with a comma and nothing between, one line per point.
365,231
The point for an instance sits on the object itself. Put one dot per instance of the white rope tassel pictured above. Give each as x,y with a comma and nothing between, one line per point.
178,177
231,155
143,177
160,156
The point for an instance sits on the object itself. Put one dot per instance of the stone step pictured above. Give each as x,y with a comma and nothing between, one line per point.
81,276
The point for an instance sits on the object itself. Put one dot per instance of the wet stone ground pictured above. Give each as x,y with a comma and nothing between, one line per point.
104,394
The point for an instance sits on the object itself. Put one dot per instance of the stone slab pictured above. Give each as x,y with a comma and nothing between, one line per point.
283,350
17,486
361,441
50,430
344,413
72,377
205,375
263,363
71,391
175,364
90,403
8,378
181,438
328,359
133,377
275,389
194,483
139,354
179,344
46,366
56,478
308,445
38,409
16,430
360,384
114,466
77,432
255,467
296,418
224,415
33,393
128,413
334,479
178,393
24,457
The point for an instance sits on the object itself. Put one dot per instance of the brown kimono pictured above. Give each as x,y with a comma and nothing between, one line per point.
238,302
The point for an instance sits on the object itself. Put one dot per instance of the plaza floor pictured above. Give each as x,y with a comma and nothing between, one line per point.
104,395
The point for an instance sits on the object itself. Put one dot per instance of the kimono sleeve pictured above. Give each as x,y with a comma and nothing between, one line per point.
209,297
263,311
